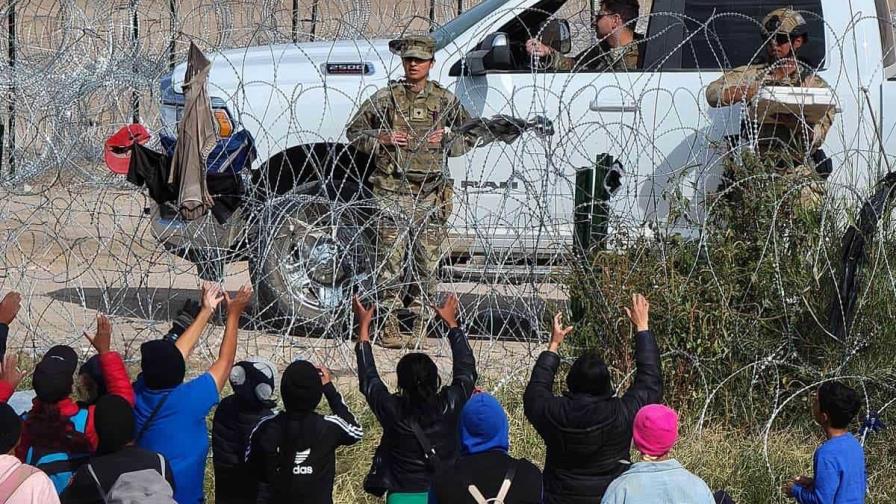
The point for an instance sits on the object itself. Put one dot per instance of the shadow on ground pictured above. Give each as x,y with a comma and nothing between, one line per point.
486,315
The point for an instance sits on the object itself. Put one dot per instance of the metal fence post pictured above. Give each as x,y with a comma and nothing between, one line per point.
11,106
432,15
314,8
295,21
172,26
135,46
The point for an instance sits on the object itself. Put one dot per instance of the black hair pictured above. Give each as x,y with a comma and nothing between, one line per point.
627,10
46,427
10,428
839,402
418,384
114,423
589,375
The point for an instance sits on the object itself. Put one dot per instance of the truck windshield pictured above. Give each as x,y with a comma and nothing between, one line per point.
450,30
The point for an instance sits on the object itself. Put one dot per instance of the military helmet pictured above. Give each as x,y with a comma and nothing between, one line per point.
414,46
784,21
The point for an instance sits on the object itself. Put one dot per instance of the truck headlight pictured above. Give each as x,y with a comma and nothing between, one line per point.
223,123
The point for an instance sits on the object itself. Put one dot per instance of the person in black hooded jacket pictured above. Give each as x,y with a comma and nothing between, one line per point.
588,430
419,400
294,452
118,459
236,416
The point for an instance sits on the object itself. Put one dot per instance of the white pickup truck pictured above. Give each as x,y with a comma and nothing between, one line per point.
514,203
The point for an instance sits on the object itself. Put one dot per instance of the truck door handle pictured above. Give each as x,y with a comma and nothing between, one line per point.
599,106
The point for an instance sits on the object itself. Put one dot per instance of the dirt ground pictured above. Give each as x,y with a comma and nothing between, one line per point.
73,249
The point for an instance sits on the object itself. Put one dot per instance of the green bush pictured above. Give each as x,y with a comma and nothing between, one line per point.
741,308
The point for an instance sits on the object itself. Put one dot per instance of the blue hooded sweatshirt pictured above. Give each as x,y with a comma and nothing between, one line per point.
483,426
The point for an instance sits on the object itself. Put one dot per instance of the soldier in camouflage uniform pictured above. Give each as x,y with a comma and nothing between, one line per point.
406,127
618,51
785,138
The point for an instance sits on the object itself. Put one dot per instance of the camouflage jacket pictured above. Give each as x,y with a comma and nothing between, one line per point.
801,140
599,58
396,108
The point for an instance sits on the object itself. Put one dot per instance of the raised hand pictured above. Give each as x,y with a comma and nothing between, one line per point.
448,310
362,313
639,312
325,377
558,332
102,340
364,316
9,307
238,303
212,295
10,373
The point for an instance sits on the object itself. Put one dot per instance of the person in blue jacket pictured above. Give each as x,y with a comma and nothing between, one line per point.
839,463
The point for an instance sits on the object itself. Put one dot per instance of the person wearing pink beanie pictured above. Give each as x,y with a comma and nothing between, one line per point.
657,478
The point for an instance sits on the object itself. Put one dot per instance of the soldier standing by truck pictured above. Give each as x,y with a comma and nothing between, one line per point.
788,140
406,127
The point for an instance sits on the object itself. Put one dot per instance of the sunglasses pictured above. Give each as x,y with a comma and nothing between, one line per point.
781,39
601,15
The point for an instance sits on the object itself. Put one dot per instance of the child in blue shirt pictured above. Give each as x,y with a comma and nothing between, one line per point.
839,463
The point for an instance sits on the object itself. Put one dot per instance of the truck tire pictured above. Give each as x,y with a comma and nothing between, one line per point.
312,251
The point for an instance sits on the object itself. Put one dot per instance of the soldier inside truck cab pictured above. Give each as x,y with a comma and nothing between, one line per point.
617,50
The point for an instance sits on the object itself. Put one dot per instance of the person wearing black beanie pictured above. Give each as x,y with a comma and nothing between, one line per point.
294,452
588,430
32,485
301,387
171,413
114,424
162,364
57,428
253,384
117,458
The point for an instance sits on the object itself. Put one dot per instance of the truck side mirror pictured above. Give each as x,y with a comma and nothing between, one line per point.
555,33
493,53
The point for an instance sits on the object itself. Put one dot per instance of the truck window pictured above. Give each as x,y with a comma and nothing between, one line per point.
885,22
722,34
444,34
579,13
527,22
